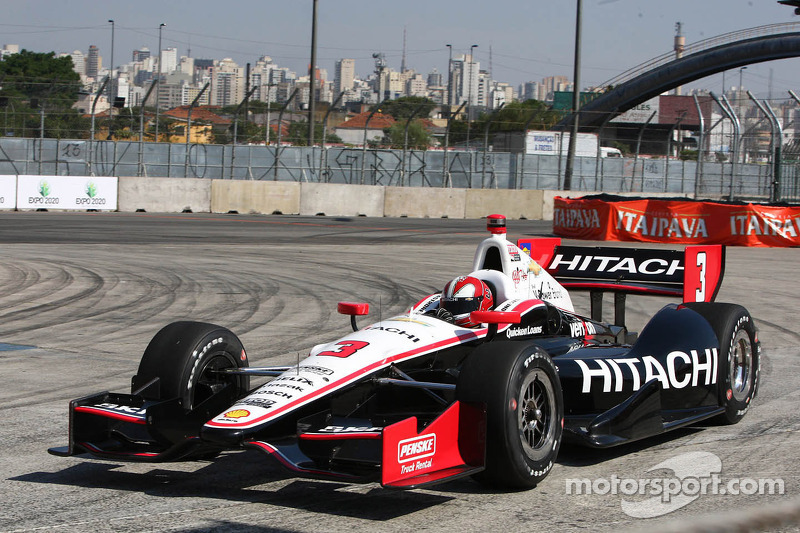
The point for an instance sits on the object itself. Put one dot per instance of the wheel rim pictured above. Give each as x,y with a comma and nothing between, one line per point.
536,413
741,366
211,380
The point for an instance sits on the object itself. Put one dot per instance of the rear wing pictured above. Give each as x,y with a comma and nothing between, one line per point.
693,275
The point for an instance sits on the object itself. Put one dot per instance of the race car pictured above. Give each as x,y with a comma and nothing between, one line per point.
421,398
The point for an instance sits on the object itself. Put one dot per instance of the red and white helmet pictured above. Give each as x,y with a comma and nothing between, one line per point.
464,295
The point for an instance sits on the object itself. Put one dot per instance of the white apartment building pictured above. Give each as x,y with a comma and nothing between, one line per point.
169,56
345,76
416,86
227,83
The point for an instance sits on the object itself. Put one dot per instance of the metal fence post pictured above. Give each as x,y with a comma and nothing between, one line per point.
638,147
364,147
280,133
698,169
446,182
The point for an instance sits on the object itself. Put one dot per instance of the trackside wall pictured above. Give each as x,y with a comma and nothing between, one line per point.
199,195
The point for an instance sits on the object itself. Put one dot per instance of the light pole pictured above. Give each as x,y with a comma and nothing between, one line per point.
269,108
111,93
741,89
160,27
739,97
469,90
312,70
576,100
450,77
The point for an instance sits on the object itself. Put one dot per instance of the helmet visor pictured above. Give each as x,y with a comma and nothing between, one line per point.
461,306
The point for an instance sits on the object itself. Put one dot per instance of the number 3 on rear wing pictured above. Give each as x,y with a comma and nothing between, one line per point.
694,274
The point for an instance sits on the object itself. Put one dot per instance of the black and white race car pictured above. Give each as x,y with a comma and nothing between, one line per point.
417,399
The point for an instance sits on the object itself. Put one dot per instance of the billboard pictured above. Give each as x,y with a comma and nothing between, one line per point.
671,221
8,192
67,192
640,113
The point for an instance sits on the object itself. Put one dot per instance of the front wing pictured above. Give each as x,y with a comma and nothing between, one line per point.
401,455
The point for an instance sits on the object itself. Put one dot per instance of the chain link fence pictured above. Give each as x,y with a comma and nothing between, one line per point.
431,168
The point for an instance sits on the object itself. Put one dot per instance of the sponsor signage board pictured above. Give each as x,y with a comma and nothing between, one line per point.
67,192
640,113
8,192
670,221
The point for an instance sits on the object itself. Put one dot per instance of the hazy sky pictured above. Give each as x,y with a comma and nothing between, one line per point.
528,39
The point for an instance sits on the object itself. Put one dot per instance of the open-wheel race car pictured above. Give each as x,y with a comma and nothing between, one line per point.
483,382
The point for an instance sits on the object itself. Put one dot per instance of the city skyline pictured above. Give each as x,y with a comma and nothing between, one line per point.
355,29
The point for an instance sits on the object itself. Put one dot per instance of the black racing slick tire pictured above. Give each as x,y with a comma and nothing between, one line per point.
524,411
186,358
739,356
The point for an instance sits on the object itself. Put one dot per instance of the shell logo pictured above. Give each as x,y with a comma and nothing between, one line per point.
237,413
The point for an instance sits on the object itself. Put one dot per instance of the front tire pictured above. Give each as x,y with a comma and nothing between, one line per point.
739,356
186,358
524,410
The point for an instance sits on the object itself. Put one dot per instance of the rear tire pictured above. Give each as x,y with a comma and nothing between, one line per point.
185,356
739,356
524,411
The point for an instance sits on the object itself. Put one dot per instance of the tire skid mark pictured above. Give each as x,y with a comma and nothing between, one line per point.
129,300
17,278
62,279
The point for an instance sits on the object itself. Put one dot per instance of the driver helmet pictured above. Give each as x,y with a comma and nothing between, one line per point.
464,295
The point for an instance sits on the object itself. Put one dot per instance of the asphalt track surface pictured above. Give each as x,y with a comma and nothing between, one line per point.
81,294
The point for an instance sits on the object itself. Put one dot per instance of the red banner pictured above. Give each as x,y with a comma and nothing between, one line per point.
670,221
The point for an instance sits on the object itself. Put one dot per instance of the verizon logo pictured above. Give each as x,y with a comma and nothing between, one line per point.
416,448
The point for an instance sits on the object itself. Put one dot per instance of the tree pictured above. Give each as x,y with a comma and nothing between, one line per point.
34,75
41,83
402,108
418,137
298,134
513,117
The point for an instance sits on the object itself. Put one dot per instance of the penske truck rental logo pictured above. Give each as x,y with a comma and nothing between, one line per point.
416,448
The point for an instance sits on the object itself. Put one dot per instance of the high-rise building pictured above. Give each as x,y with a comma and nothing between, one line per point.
186,65
227,83
416,86
531,90
78,62
141,54
93,62
259,80
170,58
484,89
465,80
435,78
501,93
344,76
552,84
396,85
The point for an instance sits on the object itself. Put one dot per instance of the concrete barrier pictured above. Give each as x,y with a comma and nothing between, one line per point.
425,202
165,195
174,195
341,199
255,197
513,204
